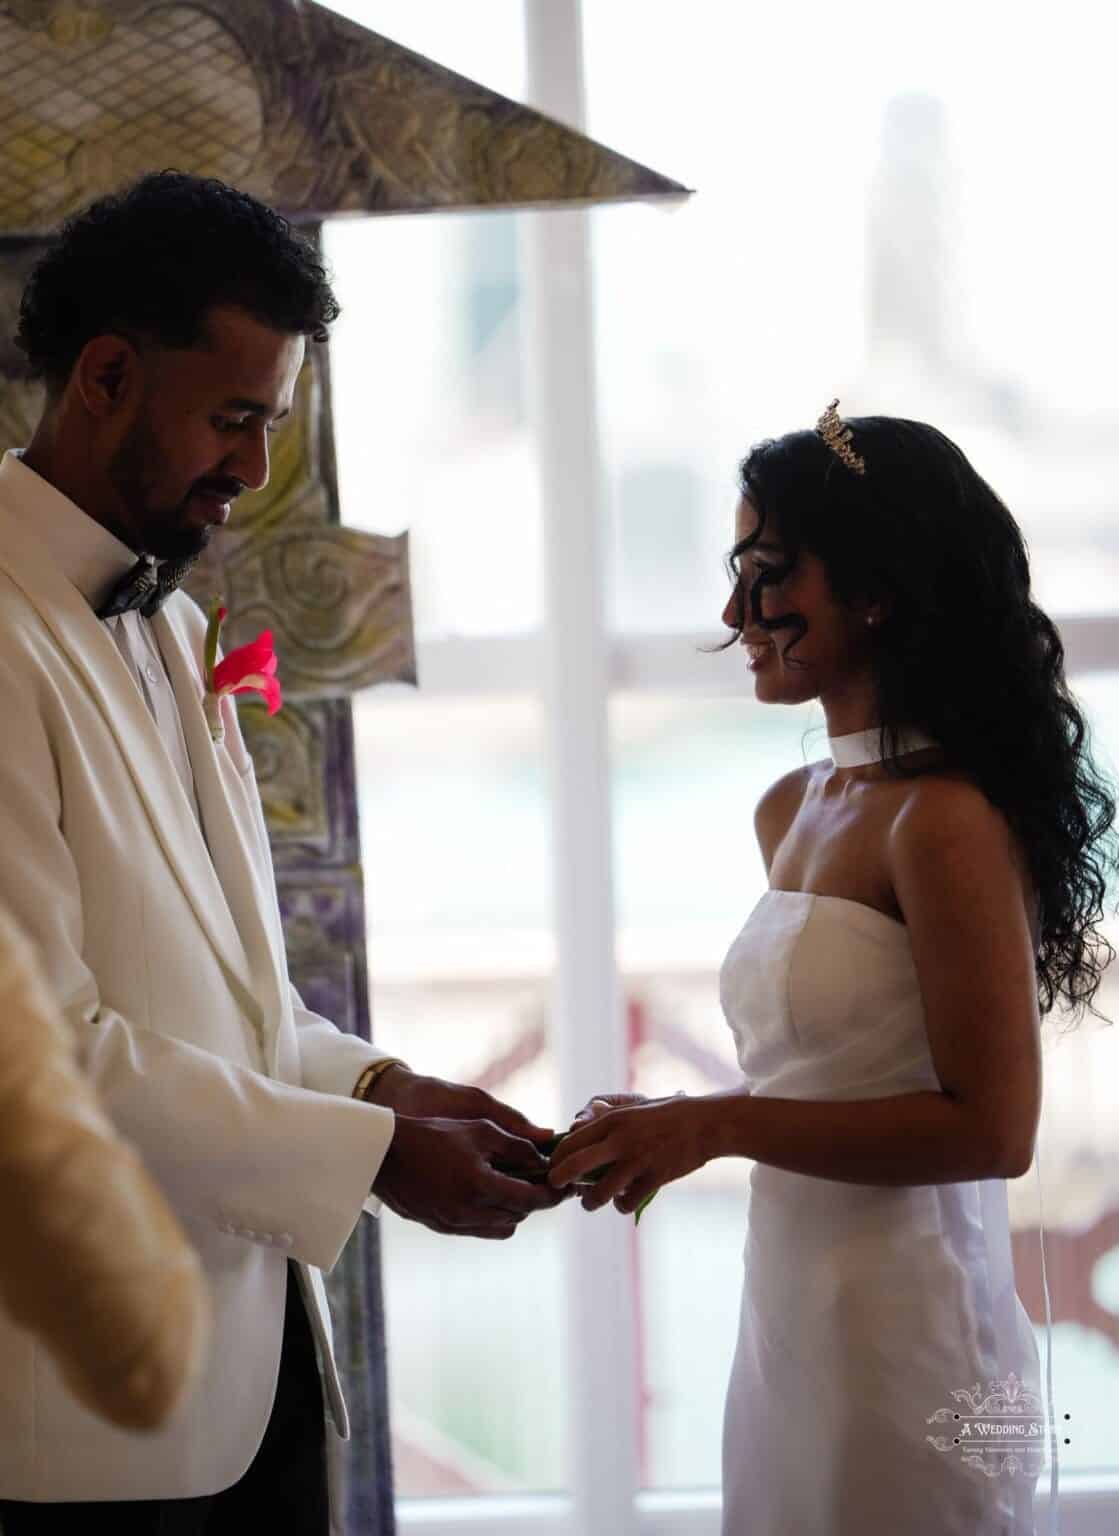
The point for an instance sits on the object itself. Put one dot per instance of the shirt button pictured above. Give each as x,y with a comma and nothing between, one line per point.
150,673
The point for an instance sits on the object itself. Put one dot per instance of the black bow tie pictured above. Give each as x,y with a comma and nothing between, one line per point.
146,586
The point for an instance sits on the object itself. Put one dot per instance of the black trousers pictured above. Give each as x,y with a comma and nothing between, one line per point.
284,1489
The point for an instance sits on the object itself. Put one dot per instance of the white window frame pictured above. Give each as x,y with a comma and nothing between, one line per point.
1087,1508
574,665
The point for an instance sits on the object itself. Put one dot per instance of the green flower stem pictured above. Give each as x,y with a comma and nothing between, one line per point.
213,630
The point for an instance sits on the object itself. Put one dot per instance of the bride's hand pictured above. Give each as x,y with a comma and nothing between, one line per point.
638,1145
603,1103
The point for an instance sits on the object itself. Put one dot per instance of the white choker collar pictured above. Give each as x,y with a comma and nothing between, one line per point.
861,747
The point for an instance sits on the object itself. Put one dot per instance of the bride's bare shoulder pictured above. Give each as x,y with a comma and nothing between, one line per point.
956,801
780,802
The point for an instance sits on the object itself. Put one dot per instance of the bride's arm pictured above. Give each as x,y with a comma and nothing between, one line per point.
909,1138
956,880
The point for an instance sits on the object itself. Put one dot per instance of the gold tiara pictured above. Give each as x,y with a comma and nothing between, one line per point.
838,436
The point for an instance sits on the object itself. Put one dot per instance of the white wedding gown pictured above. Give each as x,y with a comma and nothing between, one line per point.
864,1306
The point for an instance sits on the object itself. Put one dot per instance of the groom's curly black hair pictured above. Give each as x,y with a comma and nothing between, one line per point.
152,259
963,652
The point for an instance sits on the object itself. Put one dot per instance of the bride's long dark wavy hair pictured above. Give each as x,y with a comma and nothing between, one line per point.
961,652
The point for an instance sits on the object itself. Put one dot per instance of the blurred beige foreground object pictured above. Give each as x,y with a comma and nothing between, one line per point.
92,1260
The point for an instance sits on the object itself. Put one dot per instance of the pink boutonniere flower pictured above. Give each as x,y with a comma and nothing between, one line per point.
248,669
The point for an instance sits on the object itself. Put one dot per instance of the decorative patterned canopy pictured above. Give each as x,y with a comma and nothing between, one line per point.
308,111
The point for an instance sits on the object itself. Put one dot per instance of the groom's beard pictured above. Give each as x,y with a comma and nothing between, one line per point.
167,532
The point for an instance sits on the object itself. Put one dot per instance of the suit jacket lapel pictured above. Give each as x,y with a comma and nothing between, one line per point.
90,649
227,815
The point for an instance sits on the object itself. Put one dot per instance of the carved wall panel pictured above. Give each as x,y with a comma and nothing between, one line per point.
338,604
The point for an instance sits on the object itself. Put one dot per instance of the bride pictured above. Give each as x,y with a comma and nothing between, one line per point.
932,888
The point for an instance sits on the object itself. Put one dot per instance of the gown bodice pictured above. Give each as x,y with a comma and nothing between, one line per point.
821,995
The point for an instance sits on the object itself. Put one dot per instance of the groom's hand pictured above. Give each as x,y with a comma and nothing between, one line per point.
429,1098
447,1174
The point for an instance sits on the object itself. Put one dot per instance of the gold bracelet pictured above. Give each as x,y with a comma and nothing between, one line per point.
373,1072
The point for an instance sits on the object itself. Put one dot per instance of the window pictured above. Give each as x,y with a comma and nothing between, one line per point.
867,226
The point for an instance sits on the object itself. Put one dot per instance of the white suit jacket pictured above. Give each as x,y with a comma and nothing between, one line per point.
168,959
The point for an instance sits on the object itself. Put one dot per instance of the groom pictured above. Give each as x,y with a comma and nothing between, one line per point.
169,324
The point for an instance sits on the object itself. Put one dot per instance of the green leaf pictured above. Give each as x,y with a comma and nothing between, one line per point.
648,1200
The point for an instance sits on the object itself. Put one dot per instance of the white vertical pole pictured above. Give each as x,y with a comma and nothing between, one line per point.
587,1014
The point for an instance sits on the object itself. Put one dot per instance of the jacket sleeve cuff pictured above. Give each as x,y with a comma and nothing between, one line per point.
343,1143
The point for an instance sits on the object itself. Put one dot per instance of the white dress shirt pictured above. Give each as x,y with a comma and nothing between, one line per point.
94,560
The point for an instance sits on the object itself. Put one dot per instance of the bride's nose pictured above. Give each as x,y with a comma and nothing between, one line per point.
733,613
